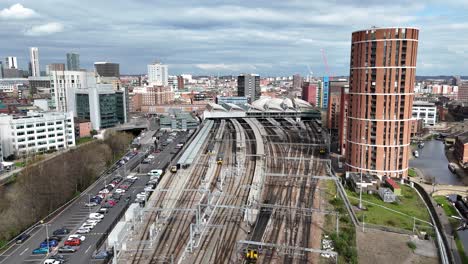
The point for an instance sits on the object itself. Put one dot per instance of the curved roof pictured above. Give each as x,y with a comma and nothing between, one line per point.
288,103
301,103
216,107
274,104
260,103
234,107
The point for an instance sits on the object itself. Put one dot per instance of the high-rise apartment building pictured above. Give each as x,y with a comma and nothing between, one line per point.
73,61
248,85
11,63
297,81
65,84
34,69
381,93
180,83
343,125
158,74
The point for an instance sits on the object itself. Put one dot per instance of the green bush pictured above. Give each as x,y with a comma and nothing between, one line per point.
411,245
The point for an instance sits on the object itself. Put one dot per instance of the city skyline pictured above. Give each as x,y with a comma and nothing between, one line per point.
227,37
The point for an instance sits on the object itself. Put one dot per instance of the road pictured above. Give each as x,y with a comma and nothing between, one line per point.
76,213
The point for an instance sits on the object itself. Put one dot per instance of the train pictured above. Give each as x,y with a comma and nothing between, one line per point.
210,149
220,158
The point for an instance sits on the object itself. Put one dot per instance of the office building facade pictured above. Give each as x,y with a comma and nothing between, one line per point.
54,67
158,74
248,85
73,61
34,68
107,69
65,84
11,63
297,81
309,93
36,132
381,93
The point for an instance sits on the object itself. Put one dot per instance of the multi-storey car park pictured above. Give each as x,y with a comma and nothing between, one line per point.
260,202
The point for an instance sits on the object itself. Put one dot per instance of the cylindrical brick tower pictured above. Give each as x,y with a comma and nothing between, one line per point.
381,92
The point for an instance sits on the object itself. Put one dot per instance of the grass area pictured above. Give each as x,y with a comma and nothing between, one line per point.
460,249
83,140
20,164
3,243
411,172
446,205
449,211
345,241
409,203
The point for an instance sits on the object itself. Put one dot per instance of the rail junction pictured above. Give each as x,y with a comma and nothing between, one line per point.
247,190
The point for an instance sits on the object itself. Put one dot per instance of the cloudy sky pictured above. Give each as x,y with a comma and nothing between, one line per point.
269,37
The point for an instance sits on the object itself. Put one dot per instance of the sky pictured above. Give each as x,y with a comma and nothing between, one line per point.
211,37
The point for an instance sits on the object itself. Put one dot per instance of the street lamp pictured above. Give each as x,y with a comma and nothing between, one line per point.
47,236
362,167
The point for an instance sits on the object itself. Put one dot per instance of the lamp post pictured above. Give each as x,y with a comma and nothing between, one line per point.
47,235
362,167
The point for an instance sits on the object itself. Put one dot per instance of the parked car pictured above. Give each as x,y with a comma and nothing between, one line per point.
91,204
83,230
103,211
62,231
67,249
50,243
40,251
58,257
22,238
149,189
73,242
52,261
96,215
120,190
55,238
111,202
80,237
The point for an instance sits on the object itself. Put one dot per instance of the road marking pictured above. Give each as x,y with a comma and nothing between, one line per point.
23,251
88,249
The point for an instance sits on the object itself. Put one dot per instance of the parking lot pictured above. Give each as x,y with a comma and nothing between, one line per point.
78,213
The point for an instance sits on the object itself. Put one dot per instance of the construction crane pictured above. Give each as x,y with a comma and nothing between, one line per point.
325,62
310,73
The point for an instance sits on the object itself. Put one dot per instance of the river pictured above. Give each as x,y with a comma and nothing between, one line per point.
433,163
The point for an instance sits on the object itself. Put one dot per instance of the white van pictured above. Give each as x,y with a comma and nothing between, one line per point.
155,173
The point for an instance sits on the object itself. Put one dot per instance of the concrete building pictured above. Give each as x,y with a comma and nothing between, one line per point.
158,74
34,68
381,92
10,85
38,83
12,73
54,67
180,83
82,128
73,61
102,105
1,69
463,92
156,95
343,125
297,81
36,132
334,103
65,84
178,121
248,85
11,63
172,82
425,111
309,93
461,149
107,69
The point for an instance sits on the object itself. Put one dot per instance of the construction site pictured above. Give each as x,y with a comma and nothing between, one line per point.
247,190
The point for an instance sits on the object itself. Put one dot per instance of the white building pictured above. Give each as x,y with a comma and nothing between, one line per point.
65,84
36,132
425,111
11,63
172,82
9,85
158,74
34,68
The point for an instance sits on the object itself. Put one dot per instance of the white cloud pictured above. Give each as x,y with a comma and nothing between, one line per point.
45,29
17,11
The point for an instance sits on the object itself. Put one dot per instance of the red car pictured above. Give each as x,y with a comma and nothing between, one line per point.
73,242
111,202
